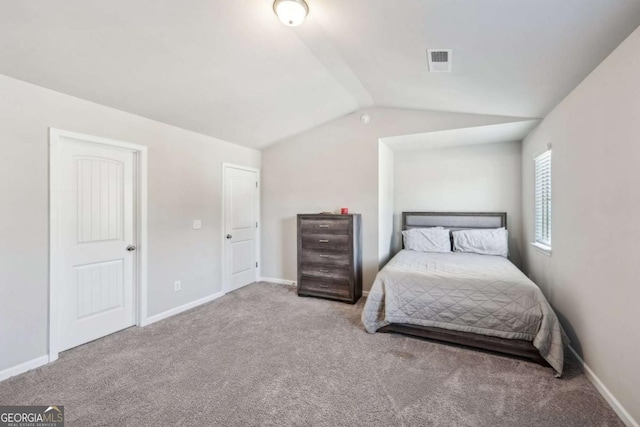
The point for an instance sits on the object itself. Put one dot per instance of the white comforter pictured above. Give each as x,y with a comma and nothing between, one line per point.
465,292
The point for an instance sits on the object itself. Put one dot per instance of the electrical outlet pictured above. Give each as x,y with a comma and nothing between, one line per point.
177,285
197,224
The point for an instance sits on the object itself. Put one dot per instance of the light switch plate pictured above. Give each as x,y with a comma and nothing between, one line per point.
197,224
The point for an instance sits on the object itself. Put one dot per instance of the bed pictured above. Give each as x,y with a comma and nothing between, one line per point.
481,301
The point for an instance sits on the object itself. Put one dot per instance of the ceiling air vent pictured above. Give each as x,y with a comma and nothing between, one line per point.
440,60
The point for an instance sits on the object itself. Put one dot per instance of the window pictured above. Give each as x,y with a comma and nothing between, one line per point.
543,200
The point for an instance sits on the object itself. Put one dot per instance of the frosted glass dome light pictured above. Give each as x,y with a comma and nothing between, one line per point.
291,12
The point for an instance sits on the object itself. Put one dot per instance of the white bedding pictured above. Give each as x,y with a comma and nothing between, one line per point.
466,292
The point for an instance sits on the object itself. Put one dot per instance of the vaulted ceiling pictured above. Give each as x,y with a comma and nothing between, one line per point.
231,70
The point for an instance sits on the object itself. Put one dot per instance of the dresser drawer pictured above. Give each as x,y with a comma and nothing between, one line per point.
330,288
324,226
326,258
341,274
331,242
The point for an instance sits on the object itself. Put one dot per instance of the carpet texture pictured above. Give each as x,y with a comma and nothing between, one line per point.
263,356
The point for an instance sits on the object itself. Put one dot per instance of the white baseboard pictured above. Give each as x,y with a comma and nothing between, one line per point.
604,391
365,293
24,367
177,310
278,281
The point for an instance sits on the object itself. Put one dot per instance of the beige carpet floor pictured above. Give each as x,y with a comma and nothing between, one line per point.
263,356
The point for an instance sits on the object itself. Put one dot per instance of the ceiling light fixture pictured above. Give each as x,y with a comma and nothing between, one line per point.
291,12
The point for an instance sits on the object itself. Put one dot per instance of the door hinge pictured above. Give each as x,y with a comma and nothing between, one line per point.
256,265
256,184
256,224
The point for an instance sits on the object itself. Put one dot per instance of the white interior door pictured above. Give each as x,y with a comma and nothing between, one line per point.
241,225
96,229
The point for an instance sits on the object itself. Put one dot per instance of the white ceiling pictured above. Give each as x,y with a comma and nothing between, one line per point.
231,70
489,134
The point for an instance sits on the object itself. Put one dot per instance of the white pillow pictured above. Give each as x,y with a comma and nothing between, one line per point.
433,239
486,242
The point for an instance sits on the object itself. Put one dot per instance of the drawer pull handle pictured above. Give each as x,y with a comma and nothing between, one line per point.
323,241
324,256
323,271
324,226
324,286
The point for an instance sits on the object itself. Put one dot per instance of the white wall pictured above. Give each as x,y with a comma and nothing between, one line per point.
593,276
185,176
472,178
385,203
332,166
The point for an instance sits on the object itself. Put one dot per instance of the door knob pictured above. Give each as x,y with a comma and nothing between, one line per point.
131,248
229,236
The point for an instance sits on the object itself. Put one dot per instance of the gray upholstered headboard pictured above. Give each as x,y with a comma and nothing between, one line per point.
454,220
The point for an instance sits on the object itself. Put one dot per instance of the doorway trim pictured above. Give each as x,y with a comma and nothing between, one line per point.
140,223
258,269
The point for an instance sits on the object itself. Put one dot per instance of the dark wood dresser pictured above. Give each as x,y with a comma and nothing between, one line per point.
330,256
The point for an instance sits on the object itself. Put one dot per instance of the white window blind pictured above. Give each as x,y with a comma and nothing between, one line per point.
543,198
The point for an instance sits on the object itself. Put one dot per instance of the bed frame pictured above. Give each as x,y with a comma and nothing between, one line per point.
461,221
